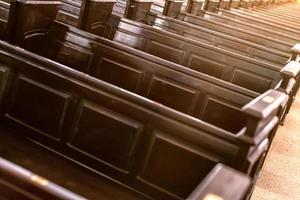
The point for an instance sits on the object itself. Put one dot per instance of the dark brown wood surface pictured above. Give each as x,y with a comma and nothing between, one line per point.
231,67
84,118
151,77
224,41
17,182
238,32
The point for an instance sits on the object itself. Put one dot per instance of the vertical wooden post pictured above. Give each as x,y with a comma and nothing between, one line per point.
262,119
212,5
29,23
172,7
94,14
194,7
235,3
138,9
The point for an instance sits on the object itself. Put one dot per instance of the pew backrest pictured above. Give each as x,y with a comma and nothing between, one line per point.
202,96
267,31
221,40
279,45
226,65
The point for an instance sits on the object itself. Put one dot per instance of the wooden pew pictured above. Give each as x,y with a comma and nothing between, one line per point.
280,26
267,31
78,116
278,13
77,49
279,45
268,14
103,59
217,39
19,183
231,67
252,14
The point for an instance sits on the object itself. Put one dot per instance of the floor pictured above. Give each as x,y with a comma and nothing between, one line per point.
280,178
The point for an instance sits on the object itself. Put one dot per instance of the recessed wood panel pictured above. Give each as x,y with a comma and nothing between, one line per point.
72,56
165,52
251,81
38,107
223,115
172,95
106,135
119,75
174,167
207,66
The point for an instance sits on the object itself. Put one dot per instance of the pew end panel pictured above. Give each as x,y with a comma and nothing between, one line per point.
212,5
194,7
295,52
262,123
94,14
137,9
290,84
224,4
172,7
216,185
30,23
289,72
235,4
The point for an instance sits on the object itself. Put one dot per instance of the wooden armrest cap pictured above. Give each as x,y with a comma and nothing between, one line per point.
291,69
222,183
265,104
296,48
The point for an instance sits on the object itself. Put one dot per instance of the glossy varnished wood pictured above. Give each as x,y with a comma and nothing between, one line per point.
78,116
235,31
151,77
231,67
29,23
218,39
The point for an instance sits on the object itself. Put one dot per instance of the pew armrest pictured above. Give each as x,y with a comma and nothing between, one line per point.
289,73
24,182
291,69
295,51
222,183
266,104
262,116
